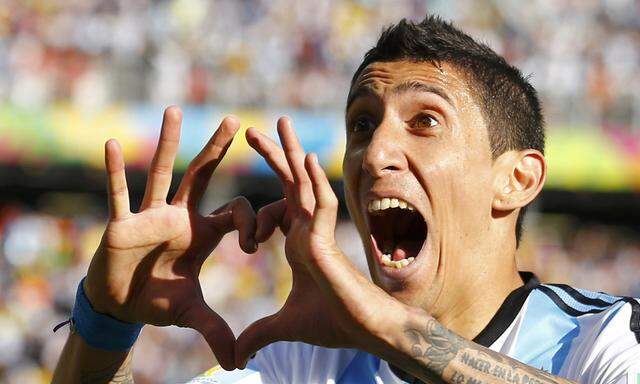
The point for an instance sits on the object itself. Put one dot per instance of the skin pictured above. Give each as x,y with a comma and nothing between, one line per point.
390,159
431,148
147,265
469,200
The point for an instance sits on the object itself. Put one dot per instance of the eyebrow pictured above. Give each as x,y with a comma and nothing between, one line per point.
413,85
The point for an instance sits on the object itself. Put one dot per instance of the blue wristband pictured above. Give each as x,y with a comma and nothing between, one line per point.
100,330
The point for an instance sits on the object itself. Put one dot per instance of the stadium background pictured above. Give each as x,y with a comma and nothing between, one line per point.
74,73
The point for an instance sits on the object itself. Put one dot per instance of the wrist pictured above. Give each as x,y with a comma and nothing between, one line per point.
100,330
389,334
95,283
394,339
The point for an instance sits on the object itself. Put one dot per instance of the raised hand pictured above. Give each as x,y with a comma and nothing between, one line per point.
331,303
147,265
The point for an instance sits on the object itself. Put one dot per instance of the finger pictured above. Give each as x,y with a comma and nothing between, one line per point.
199,172
215,331
257,336
273,154
294,154
269,218
116,180
326,208
237,215
161,170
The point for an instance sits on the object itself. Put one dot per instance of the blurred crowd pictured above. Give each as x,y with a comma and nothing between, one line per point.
582,55
44,254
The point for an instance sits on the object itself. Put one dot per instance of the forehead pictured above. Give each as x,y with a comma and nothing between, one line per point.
381,78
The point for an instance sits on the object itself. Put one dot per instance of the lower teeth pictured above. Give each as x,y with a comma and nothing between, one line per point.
386,260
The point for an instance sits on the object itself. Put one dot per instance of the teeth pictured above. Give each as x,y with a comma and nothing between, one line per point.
397,264
386,203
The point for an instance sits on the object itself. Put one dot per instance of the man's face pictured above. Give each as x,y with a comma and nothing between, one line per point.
418,179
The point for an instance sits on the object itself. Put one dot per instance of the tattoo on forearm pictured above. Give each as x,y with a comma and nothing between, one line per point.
437,347
118,372
505,369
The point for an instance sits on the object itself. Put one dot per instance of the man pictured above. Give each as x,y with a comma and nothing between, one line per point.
444,152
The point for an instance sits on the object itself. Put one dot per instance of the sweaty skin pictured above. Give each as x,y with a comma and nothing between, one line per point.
414,131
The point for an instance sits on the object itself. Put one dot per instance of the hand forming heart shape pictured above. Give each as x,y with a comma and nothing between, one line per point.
147,265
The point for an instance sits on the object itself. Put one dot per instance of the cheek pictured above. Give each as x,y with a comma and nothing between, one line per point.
458,186
471,193
351,170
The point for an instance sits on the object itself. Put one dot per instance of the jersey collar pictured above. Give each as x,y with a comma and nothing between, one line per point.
507,311
499,322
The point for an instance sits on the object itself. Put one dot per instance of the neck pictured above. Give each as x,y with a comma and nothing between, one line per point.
480,299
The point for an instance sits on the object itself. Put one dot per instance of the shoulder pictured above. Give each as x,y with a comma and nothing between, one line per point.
603,312
602,332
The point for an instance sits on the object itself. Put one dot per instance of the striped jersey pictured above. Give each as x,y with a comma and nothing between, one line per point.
587,337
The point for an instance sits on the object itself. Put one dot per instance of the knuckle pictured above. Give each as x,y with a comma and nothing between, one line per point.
119,195
119,191
215,149
162,169
332,201
241,200
240,203
192,169
304,181
200,175
262,212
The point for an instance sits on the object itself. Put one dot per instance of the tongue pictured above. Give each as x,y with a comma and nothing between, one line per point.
406,249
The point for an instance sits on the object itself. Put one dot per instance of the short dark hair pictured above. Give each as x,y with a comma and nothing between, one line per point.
508,102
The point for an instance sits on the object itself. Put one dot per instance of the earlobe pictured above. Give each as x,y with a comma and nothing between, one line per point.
519,179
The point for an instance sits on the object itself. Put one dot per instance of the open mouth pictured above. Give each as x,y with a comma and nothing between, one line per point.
398,230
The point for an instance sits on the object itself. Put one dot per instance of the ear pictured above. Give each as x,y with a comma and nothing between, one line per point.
518,178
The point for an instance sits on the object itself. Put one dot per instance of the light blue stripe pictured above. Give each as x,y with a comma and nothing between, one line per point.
361,370
546,334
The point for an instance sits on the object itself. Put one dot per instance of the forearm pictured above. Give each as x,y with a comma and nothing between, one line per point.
432,353
81,363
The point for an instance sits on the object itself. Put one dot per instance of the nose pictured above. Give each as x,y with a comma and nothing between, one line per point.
384,153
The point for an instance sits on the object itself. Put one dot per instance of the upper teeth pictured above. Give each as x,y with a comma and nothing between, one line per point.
388,202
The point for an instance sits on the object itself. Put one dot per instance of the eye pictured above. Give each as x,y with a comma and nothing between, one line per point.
423,121
362,124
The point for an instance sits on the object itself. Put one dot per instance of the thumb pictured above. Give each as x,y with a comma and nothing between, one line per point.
257,336
215,331
237,214
271,217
